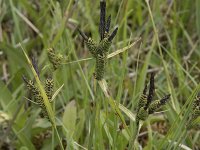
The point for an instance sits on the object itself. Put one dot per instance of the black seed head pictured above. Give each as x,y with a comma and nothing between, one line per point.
82,34
25,79
108,24
145,90
165,99
151,89
35,65
102,18
111,37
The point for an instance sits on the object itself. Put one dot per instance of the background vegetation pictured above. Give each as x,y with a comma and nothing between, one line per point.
84,118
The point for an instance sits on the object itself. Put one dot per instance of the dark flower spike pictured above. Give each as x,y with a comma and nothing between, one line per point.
107,28
165,99
82,34
158,103
111,37
25,79
145,104
145,90
35,65
151,90
102,18
92,46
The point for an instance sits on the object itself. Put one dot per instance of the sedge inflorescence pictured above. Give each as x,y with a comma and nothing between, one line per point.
146,105
35,92
195,114
55,58
100,50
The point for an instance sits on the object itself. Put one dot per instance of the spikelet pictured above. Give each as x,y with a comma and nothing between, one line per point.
145,104
143,99
49,88
37,96
113,34
34,91
107,27
44,113
151,90
154,106
92,46
100,66
55,59
142,114
196,101
195,113
102,19
104,46
39,101
35,65
196,107
157,104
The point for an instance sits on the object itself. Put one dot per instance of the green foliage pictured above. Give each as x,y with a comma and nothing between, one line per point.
69,118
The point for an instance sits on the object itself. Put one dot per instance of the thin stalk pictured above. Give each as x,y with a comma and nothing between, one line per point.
135,135
161,54
113,104
59,139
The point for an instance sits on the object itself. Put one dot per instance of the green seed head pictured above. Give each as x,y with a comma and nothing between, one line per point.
104,46
44,113
196,102
158,103
154,106
106,35
49,88
142,101
92,46
38,98
30,85
100,66
55,59
196,113
142,114
34,91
